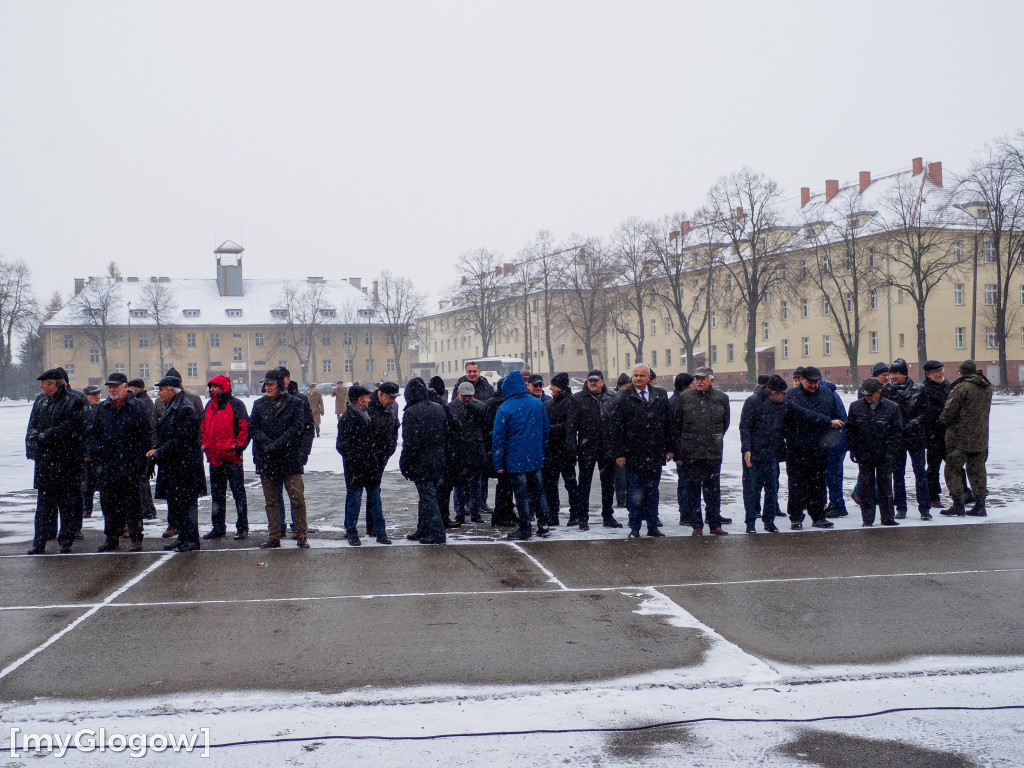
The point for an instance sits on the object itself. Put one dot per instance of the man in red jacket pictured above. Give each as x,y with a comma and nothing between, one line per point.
225,433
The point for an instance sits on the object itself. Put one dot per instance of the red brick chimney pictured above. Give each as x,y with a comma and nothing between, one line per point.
831,189
497,271
918,165
686,227
935,172
865,180
464,280
508,268
739,212
805,196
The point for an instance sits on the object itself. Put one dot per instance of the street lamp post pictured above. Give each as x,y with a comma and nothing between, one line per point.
129,339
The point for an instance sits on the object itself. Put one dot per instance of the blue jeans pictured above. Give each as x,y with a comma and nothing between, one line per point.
643,498
468,490
220,478
899,480
354,500
834,480
763,474
528,488
703,477
280,506
429,523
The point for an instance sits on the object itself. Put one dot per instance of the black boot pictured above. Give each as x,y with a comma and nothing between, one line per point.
978,510
956,509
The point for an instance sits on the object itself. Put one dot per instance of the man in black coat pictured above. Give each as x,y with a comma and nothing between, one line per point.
138,388
278,429
384,420
121,434
356,445
482,392
621,490
907,394
874,428
468,451
425,434
702,417
762,447
179,456
811,426
504,512
90,468
683,381
640,436
560,459
934,393
54,441
591,403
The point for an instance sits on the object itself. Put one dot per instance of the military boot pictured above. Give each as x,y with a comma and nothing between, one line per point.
956,509
978,510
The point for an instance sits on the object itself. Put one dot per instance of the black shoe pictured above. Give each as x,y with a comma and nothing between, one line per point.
823,523
135,547
752,529
65,550
978,510
611,522
543,533
171,547
354,541
460,519
241,535
866,525
834,513
770,527
449,523
796,526
584,526
188,547
901,515
633,534
383,539
37,551
956,509
573,520
655,533
517,536
476,518
726,520
79,535
485,508
889,522
926,515
110,545
414,536
969,497
213,535
432,540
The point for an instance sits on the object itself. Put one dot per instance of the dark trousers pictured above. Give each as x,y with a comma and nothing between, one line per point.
528,488
483,487
762,475
899,479
621,486
643,497
935,455
429,523
120,505
703,477
146,497
220,478
567,471
467,495
871,476
834,480
443,491
806,475
504,507
606,470
90,484
186,512
50,506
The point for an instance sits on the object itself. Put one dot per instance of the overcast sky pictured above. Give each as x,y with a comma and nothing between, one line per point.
339,139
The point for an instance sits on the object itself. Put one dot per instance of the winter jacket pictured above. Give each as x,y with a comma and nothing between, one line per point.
119,440
308,425
807,425
642,432
484,390
147,403
874,436
562,416
839,446
966,414
355,444
54,440
521,429
340,399
225,428
590,423
761,426
933,397
316,405
158,406
701,421
468,451
178,456
278,433
493,404
425,434
385,431
908,396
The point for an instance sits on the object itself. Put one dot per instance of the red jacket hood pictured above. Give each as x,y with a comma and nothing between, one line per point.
223,381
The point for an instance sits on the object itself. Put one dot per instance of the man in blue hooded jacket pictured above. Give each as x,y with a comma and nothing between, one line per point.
518,443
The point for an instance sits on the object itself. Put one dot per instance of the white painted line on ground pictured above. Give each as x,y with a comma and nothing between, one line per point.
111,597
551,577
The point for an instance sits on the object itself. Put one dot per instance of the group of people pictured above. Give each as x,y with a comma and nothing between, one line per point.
531,442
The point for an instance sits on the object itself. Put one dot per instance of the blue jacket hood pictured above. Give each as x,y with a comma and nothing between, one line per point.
514,386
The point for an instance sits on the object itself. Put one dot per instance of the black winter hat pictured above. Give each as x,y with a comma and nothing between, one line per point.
535,378
354,393
870,385
595,375
932,365
138,383
389,388
878,368
274,374
284,371
623,379
437,384
776,383
899,365
560,380
811,373
53,375
117,378
683,380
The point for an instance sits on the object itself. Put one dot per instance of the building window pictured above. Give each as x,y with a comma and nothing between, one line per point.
826,306
730,355
806,307
236,354
849,302
714,319
654,356
873,339
579,351
260,363
168,340
118,340
990,338
871,256
328,366
279,313
806,343
765,332
696,341
873,299
325,339
785,347
958,294
957,252
714,354
143,341
140,313
729,319
348,366
70,368
785,310
899,295
304,339
94,354
193,370
282,339
369,339
988,252
69,341
628,366
389,365
118,367
654,327
214,339
143,370
190,339
990,294
369,366
233,312
901,337
258,339
783,273
828,345
346,339
190,312
668,357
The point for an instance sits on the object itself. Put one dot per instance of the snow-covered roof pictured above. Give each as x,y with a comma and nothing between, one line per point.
199,303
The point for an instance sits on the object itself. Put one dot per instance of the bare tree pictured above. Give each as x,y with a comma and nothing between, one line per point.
996,185
398,306
484,293
678,258
348,322
743,212
304,311
97,311
633,264
585,283
522,287
540,259
920,251
161,306
18,311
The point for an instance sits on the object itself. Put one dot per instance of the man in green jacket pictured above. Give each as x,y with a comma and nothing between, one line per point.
966,420
701,421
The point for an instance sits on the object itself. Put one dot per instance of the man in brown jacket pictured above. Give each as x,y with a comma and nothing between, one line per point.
340,393
316,405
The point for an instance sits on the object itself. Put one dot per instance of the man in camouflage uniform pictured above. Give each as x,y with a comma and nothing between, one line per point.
966,420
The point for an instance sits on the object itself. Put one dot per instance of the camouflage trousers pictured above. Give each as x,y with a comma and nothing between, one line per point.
956,460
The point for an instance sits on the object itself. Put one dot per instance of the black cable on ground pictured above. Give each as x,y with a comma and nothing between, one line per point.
621,729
